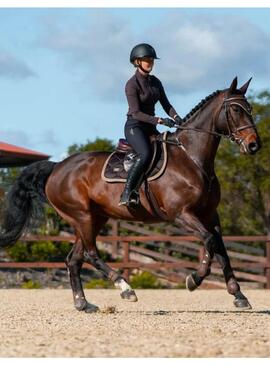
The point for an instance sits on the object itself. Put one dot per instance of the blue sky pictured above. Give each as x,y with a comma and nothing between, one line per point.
63,71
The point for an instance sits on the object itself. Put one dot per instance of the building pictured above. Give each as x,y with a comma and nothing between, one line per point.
14,156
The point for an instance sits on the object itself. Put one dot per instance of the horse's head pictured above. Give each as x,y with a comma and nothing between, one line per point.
235,119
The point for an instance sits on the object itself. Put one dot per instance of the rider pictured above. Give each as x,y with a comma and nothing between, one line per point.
143,91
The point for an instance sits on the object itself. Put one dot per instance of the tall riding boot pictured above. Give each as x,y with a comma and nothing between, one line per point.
130,194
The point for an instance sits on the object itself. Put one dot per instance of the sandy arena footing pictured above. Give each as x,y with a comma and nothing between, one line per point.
163,323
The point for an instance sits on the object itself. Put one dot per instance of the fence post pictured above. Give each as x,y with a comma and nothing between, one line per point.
126,260
267,271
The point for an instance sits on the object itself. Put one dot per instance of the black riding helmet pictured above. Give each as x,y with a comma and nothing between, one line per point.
142,50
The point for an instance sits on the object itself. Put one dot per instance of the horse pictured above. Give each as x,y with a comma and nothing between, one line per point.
188,192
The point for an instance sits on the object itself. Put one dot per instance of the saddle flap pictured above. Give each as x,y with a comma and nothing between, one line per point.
116,166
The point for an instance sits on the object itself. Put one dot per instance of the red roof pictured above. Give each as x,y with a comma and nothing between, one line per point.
11,155
6,147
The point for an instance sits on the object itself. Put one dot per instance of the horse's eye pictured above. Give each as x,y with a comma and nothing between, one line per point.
236,108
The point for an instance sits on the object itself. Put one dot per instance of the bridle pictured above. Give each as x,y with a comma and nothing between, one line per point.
232,129
231,125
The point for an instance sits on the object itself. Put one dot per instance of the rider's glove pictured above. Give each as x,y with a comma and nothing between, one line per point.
178,120
168,122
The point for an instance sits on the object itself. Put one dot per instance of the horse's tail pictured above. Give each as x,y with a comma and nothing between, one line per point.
24,201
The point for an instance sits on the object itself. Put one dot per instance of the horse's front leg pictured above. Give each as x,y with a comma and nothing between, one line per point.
192,221
223,259
195,279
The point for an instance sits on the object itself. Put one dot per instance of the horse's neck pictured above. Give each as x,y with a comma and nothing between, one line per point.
201,146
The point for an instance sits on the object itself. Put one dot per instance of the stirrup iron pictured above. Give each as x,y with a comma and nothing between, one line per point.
132,199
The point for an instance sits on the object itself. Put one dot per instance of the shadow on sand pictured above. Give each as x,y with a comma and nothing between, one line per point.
166,312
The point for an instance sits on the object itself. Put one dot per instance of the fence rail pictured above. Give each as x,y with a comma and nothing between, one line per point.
124,246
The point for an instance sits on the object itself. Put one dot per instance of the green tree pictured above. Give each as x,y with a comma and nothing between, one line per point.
245,180
99,144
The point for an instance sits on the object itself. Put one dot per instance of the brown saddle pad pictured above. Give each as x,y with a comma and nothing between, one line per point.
114,167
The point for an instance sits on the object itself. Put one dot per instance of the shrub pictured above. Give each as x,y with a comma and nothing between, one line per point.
105,256
38,251
145,280
180,286
30,284
98,284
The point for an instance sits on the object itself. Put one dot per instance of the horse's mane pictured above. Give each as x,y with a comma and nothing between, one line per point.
200,105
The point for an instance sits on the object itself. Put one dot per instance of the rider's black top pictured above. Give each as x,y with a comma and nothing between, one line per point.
143,92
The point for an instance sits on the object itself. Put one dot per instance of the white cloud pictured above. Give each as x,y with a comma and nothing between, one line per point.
43,141
99,47
201,52
13,68
47,138
198,52
16,137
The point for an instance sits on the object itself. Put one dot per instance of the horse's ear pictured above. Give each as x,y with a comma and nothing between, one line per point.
244,88
233,87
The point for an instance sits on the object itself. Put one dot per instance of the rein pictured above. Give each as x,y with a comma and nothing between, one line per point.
232,133
216,134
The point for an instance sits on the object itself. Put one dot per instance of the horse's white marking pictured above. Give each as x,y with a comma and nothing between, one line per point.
123,285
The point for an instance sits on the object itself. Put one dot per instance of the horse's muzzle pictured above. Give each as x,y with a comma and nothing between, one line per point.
253,147
250,144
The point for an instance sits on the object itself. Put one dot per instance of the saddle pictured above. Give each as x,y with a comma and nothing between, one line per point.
120,161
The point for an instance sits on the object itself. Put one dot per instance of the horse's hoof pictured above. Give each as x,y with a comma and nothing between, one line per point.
242,304
190,283
91,308
129,295
80,304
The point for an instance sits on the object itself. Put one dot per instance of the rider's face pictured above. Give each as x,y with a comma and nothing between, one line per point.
147,63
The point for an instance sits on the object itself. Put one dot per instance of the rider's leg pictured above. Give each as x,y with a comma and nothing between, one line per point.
140,142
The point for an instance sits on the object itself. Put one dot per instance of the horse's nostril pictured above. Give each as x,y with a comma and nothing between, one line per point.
253,147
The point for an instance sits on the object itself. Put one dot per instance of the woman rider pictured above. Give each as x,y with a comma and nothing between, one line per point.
143,91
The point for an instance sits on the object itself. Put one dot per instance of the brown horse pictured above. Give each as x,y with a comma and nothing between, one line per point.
188,192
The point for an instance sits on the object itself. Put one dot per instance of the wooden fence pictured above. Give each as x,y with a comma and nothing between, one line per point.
248,267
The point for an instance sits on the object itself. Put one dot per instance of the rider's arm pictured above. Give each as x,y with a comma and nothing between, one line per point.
166,105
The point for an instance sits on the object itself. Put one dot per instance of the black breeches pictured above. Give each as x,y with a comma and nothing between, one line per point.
140,141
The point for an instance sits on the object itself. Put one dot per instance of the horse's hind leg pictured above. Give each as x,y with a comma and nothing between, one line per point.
92,257
223,259
74,263
88,232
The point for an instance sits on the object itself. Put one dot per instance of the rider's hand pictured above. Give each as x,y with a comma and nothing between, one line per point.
178,120
168,122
